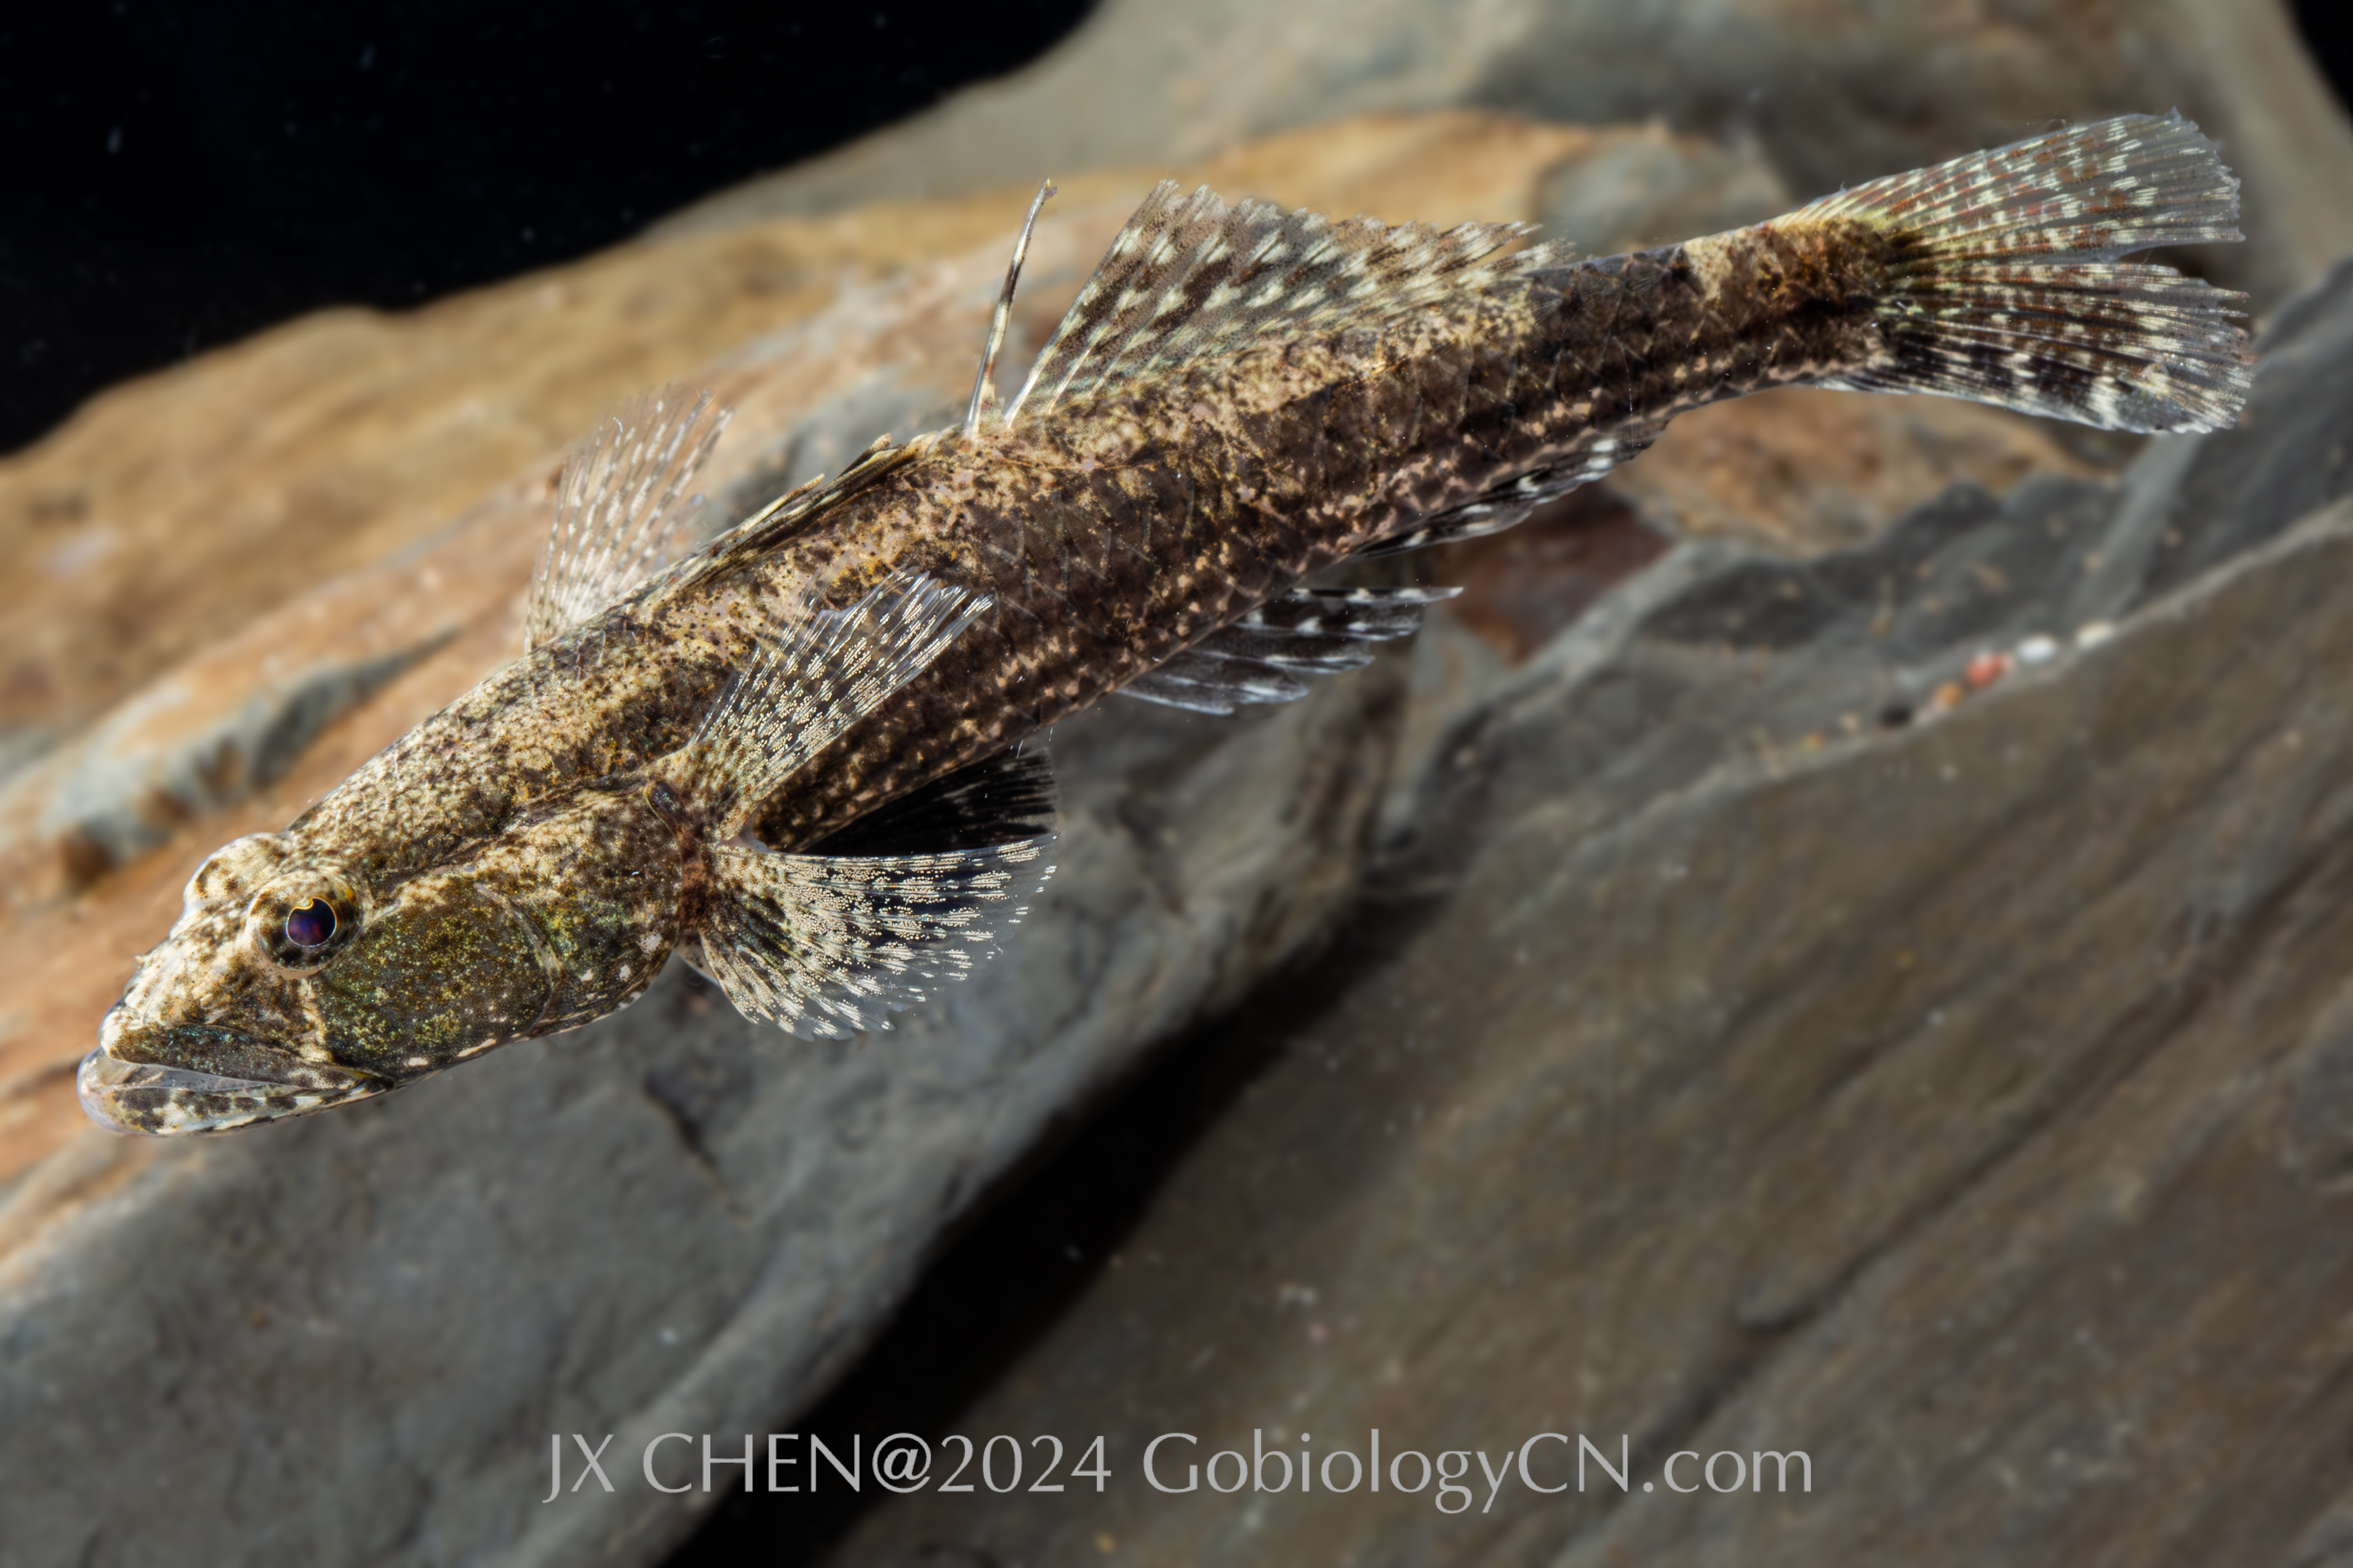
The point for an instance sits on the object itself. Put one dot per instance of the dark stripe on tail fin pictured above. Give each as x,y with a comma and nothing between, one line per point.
2003,284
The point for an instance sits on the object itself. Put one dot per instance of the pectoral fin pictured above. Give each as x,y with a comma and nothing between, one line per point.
1011,796
819,673
825,945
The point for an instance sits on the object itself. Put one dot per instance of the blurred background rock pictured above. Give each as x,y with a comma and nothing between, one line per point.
1832,944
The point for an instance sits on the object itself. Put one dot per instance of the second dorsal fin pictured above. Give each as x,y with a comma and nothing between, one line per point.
1190,277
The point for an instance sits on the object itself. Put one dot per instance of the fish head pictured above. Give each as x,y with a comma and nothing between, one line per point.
216,1029
293,983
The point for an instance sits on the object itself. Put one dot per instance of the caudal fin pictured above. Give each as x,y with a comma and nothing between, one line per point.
2005,286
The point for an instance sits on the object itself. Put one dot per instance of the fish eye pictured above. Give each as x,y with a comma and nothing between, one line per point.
302,921
311,926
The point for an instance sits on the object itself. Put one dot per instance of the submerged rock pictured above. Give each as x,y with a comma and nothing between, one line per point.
672,1220
1956,1101
1829,95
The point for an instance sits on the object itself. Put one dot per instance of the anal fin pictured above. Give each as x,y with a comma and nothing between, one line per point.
1510,503
1272,653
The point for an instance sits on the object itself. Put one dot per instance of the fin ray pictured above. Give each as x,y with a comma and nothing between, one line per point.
823,946
1190,278
623,508
2006,288
820,673
1507,505
1011,796
803,507
2093,192
1272,653
984,381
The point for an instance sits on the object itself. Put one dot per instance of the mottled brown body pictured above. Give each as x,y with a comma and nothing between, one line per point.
1133,524
1240,399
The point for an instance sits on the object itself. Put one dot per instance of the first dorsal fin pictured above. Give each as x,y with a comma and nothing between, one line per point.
1190,277
984,381
624,508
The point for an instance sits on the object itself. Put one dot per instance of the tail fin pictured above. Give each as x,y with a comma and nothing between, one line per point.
2006,288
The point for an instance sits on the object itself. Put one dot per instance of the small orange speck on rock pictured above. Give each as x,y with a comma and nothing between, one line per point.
1985,669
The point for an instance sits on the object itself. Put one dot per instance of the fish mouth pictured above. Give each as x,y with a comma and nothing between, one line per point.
173,1080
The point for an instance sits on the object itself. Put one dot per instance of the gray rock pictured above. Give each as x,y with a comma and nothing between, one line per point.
2290,454
1833,95
1658,189
121,792
1657,939
349,1340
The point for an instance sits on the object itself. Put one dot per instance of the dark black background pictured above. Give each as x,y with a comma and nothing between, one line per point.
174,176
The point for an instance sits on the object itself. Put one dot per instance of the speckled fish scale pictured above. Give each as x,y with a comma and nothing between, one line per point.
796,755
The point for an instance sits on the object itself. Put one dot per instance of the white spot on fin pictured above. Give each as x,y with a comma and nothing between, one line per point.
826,945
1271,654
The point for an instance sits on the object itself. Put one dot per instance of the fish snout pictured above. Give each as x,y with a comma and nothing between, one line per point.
160,1079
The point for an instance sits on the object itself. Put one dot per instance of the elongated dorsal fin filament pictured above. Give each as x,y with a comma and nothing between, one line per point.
984,382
